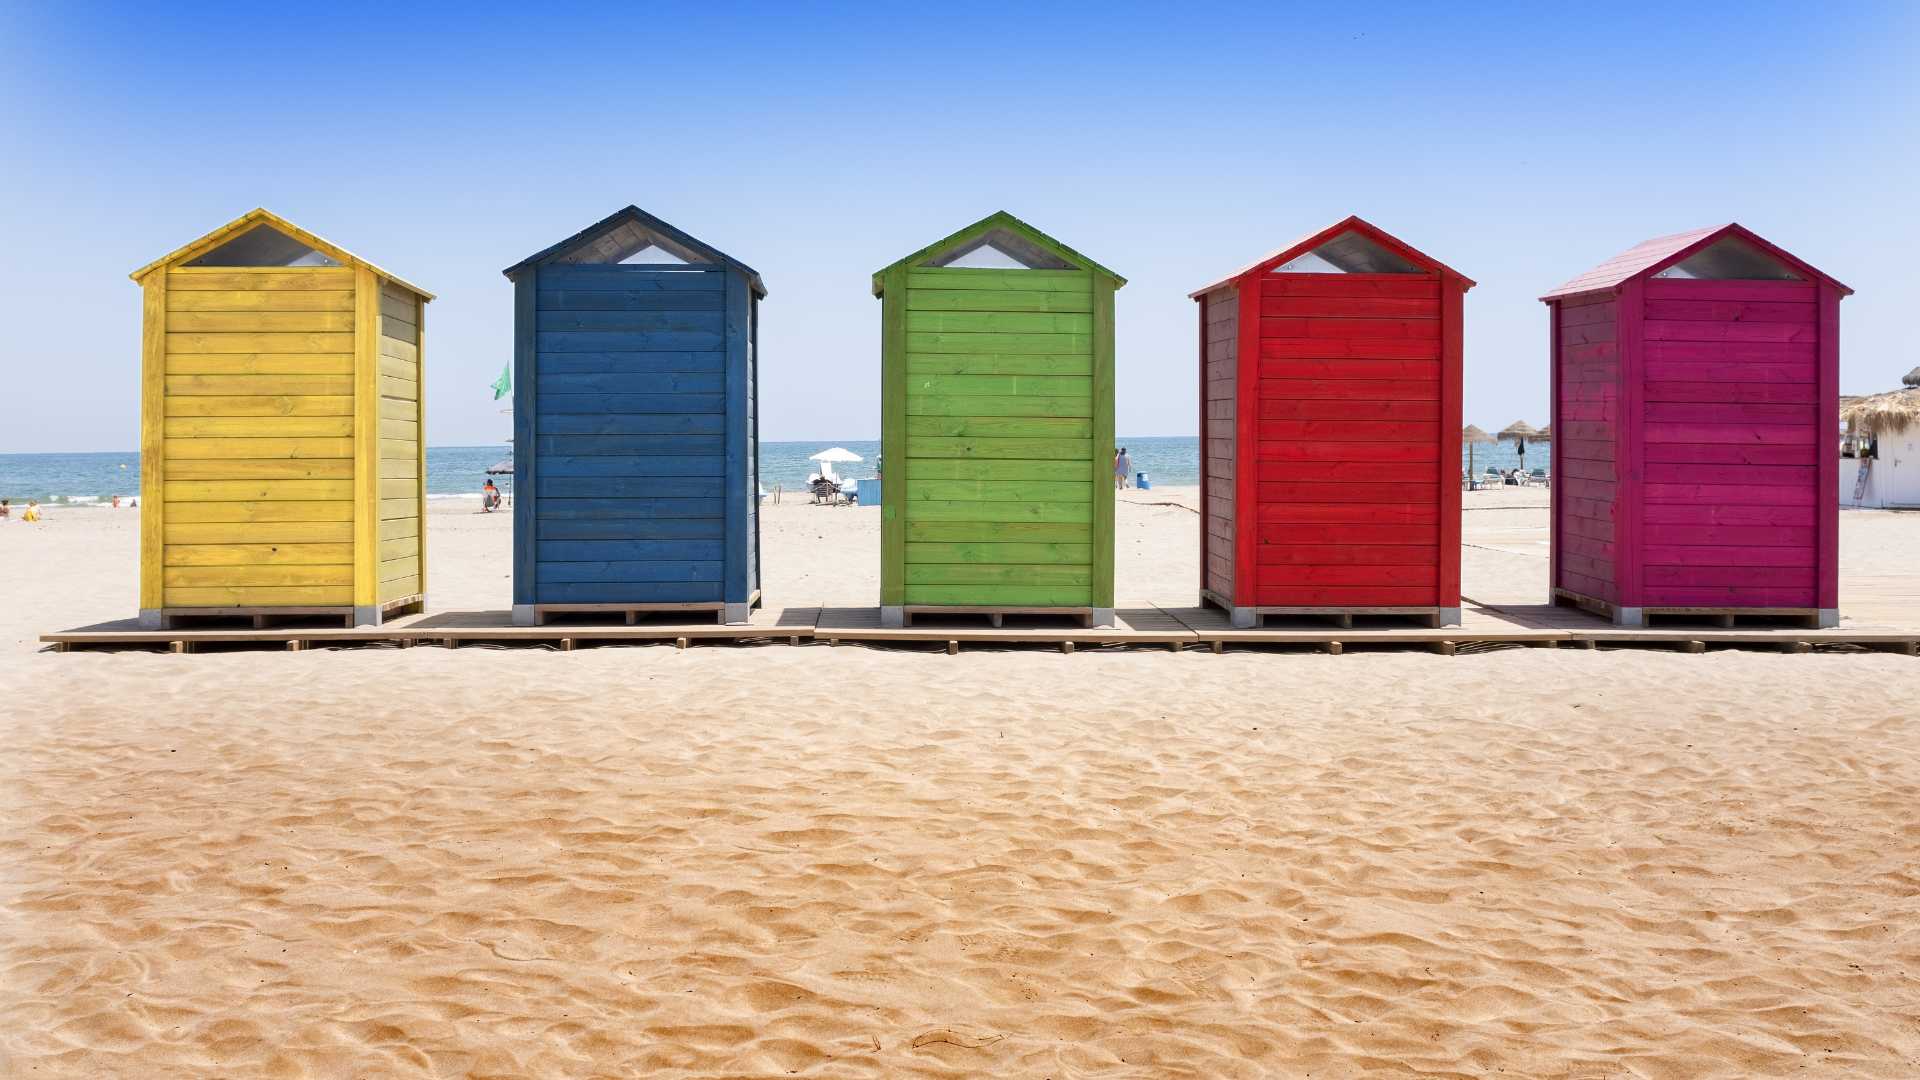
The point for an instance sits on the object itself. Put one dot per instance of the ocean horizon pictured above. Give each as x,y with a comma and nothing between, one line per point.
82,479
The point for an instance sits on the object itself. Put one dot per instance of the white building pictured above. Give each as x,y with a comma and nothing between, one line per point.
1880,453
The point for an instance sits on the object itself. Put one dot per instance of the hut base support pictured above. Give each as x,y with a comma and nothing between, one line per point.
729,614
1244,618
1092,618
1726,618
152,619
1448,616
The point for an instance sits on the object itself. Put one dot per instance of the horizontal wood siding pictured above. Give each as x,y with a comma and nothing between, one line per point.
256,439
629,451
1346,441
402,421
1587,403
1220,312
999,418
1732,438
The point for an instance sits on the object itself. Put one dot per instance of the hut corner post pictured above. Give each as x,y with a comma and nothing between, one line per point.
153,385
1826,456
1556,502
1452,306
893,447
1246,499
736,586
1205,429
420,439
526,454
1630,499
1103,451
366,447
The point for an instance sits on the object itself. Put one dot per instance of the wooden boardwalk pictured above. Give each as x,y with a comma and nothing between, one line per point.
1884,616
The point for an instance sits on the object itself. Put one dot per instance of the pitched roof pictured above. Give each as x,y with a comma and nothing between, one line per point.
1351,223
1000,220
1652,256
258,216
661,230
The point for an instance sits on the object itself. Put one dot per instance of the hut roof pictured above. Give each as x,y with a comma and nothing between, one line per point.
1333,244
627,232
301,240
1519,429
1011,236
1662,252
1471,434
1883,414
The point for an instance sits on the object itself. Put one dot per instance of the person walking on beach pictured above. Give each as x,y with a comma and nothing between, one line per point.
1122,470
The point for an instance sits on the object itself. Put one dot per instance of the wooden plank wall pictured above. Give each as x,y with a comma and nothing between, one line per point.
256,442
1347,441
400,563
1586,442
1220,325
1732,433
628,435
1000,454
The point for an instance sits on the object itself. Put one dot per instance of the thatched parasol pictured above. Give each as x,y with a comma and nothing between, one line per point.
1883,414
1473,436
1519,432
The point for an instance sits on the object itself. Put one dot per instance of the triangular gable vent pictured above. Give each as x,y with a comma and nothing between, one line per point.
999,249
1347,253
264,245
1729,259
631,243
653,255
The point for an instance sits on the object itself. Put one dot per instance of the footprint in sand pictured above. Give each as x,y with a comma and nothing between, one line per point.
518,949
968,1039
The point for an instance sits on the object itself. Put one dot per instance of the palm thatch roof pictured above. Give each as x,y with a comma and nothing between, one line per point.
1520,430
1471,434
1883,414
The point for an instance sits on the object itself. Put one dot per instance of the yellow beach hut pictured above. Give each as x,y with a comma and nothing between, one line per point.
282,470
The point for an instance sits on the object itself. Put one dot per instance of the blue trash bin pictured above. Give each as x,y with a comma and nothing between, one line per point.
1140,481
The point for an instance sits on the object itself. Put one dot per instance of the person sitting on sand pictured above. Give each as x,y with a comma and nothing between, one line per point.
33,511
6,509
489,497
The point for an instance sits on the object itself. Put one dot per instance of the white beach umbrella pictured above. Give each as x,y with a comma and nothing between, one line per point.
829,456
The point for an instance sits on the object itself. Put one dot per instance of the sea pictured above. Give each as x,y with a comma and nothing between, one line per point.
454,471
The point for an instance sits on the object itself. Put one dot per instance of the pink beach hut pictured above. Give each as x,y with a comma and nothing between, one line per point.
1695,417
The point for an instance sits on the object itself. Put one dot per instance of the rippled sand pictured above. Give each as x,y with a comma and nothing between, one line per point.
764,861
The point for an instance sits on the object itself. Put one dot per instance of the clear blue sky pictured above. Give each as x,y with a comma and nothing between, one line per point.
1519,144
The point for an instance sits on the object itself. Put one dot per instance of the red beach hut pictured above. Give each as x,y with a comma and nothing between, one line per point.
1695,416
1330,418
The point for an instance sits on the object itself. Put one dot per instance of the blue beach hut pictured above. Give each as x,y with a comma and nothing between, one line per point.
634,422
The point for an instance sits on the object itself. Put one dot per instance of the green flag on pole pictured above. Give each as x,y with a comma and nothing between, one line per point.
503,385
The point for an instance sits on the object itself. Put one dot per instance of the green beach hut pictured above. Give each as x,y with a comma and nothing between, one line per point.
997,427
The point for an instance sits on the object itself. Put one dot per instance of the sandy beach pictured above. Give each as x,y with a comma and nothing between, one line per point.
772,861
